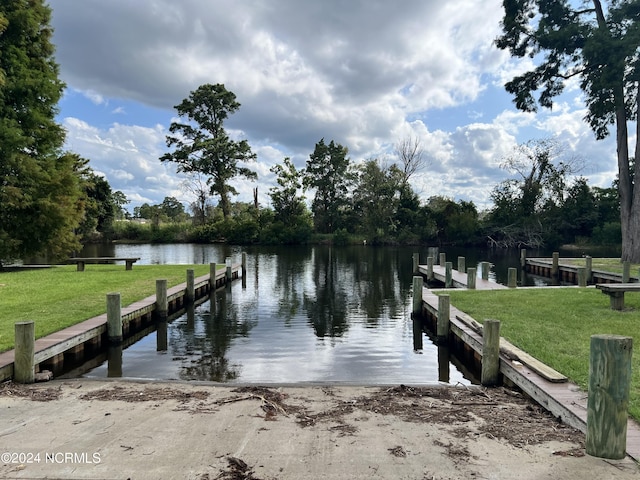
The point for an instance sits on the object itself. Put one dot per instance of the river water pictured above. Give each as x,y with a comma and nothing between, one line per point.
303,314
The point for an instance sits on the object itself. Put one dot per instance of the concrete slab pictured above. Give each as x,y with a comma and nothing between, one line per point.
102,429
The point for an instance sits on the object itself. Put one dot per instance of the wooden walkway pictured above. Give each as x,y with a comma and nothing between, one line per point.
91,331
564,400
459,279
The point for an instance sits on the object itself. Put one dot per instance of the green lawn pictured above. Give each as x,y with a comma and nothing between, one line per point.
58,297
555,325
613,265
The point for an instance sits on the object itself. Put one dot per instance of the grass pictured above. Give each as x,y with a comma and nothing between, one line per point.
58,297
555,325
613,265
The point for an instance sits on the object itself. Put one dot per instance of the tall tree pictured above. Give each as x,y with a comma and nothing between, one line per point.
599,46
411,156
328,172
287,198
376,199
203,145
40,186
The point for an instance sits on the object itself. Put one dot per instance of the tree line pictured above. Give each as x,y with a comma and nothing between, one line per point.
51,200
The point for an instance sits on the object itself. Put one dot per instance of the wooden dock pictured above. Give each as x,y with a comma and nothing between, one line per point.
459,279
563,399
569,272
80,342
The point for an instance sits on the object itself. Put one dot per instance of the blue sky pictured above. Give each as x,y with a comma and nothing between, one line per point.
363,73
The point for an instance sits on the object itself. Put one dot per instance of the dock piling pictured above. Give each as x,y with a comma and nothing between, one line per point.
444,314
523,258
229,274
448,277
162,302
490,352
244,264
430,268
589,268
608,401
24,361
484,270
212,277
191,286
512,277
462,265
554,265
582,276
442,259
418,283
416,262
114,318
471,278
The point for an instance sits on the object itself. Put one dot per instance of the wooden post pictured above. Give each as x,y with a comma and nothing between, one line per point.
229,265
554,264
444,315
442,259
418,282
416,262
608,401
448,277
212,277
523,258
512,277
430,268
244,264
461,265
589,268
417,334
161,336
162,302
24,355
471,278
485,267
114,360
444,362
582,277
490,352
114,318
626,271
191,286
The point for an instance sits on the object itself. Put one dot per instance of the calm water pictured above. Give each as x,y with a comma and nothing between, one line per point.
304,314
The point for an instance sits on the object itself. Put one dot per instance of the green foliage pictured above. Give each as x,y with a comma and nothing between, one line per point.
376,200
328,172
287,199
341,237
203,146
454,223
607,234
598,47
40,191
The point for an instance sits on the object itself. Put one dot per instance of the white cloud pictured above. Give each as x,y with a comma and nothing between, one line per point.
364,74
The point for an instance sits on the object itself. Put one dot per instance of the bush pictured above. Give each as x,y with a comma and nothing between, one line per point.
608,234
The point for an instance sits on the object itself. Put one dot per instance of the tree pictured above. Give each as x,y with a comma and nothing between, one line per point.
599,47
173,209
540,185
288,202
376,199
411,155
328,172
203,145
41,197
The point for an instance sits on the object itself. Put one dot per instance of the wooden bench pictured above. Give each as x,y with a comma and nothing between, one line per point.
80,261
616,292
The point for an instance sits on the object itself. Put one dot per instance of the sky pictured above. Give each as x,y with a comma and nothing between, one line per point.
363,73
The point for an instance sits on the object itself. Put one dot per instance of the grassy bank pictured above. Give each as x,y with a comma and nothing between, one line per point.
555,325
59,297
